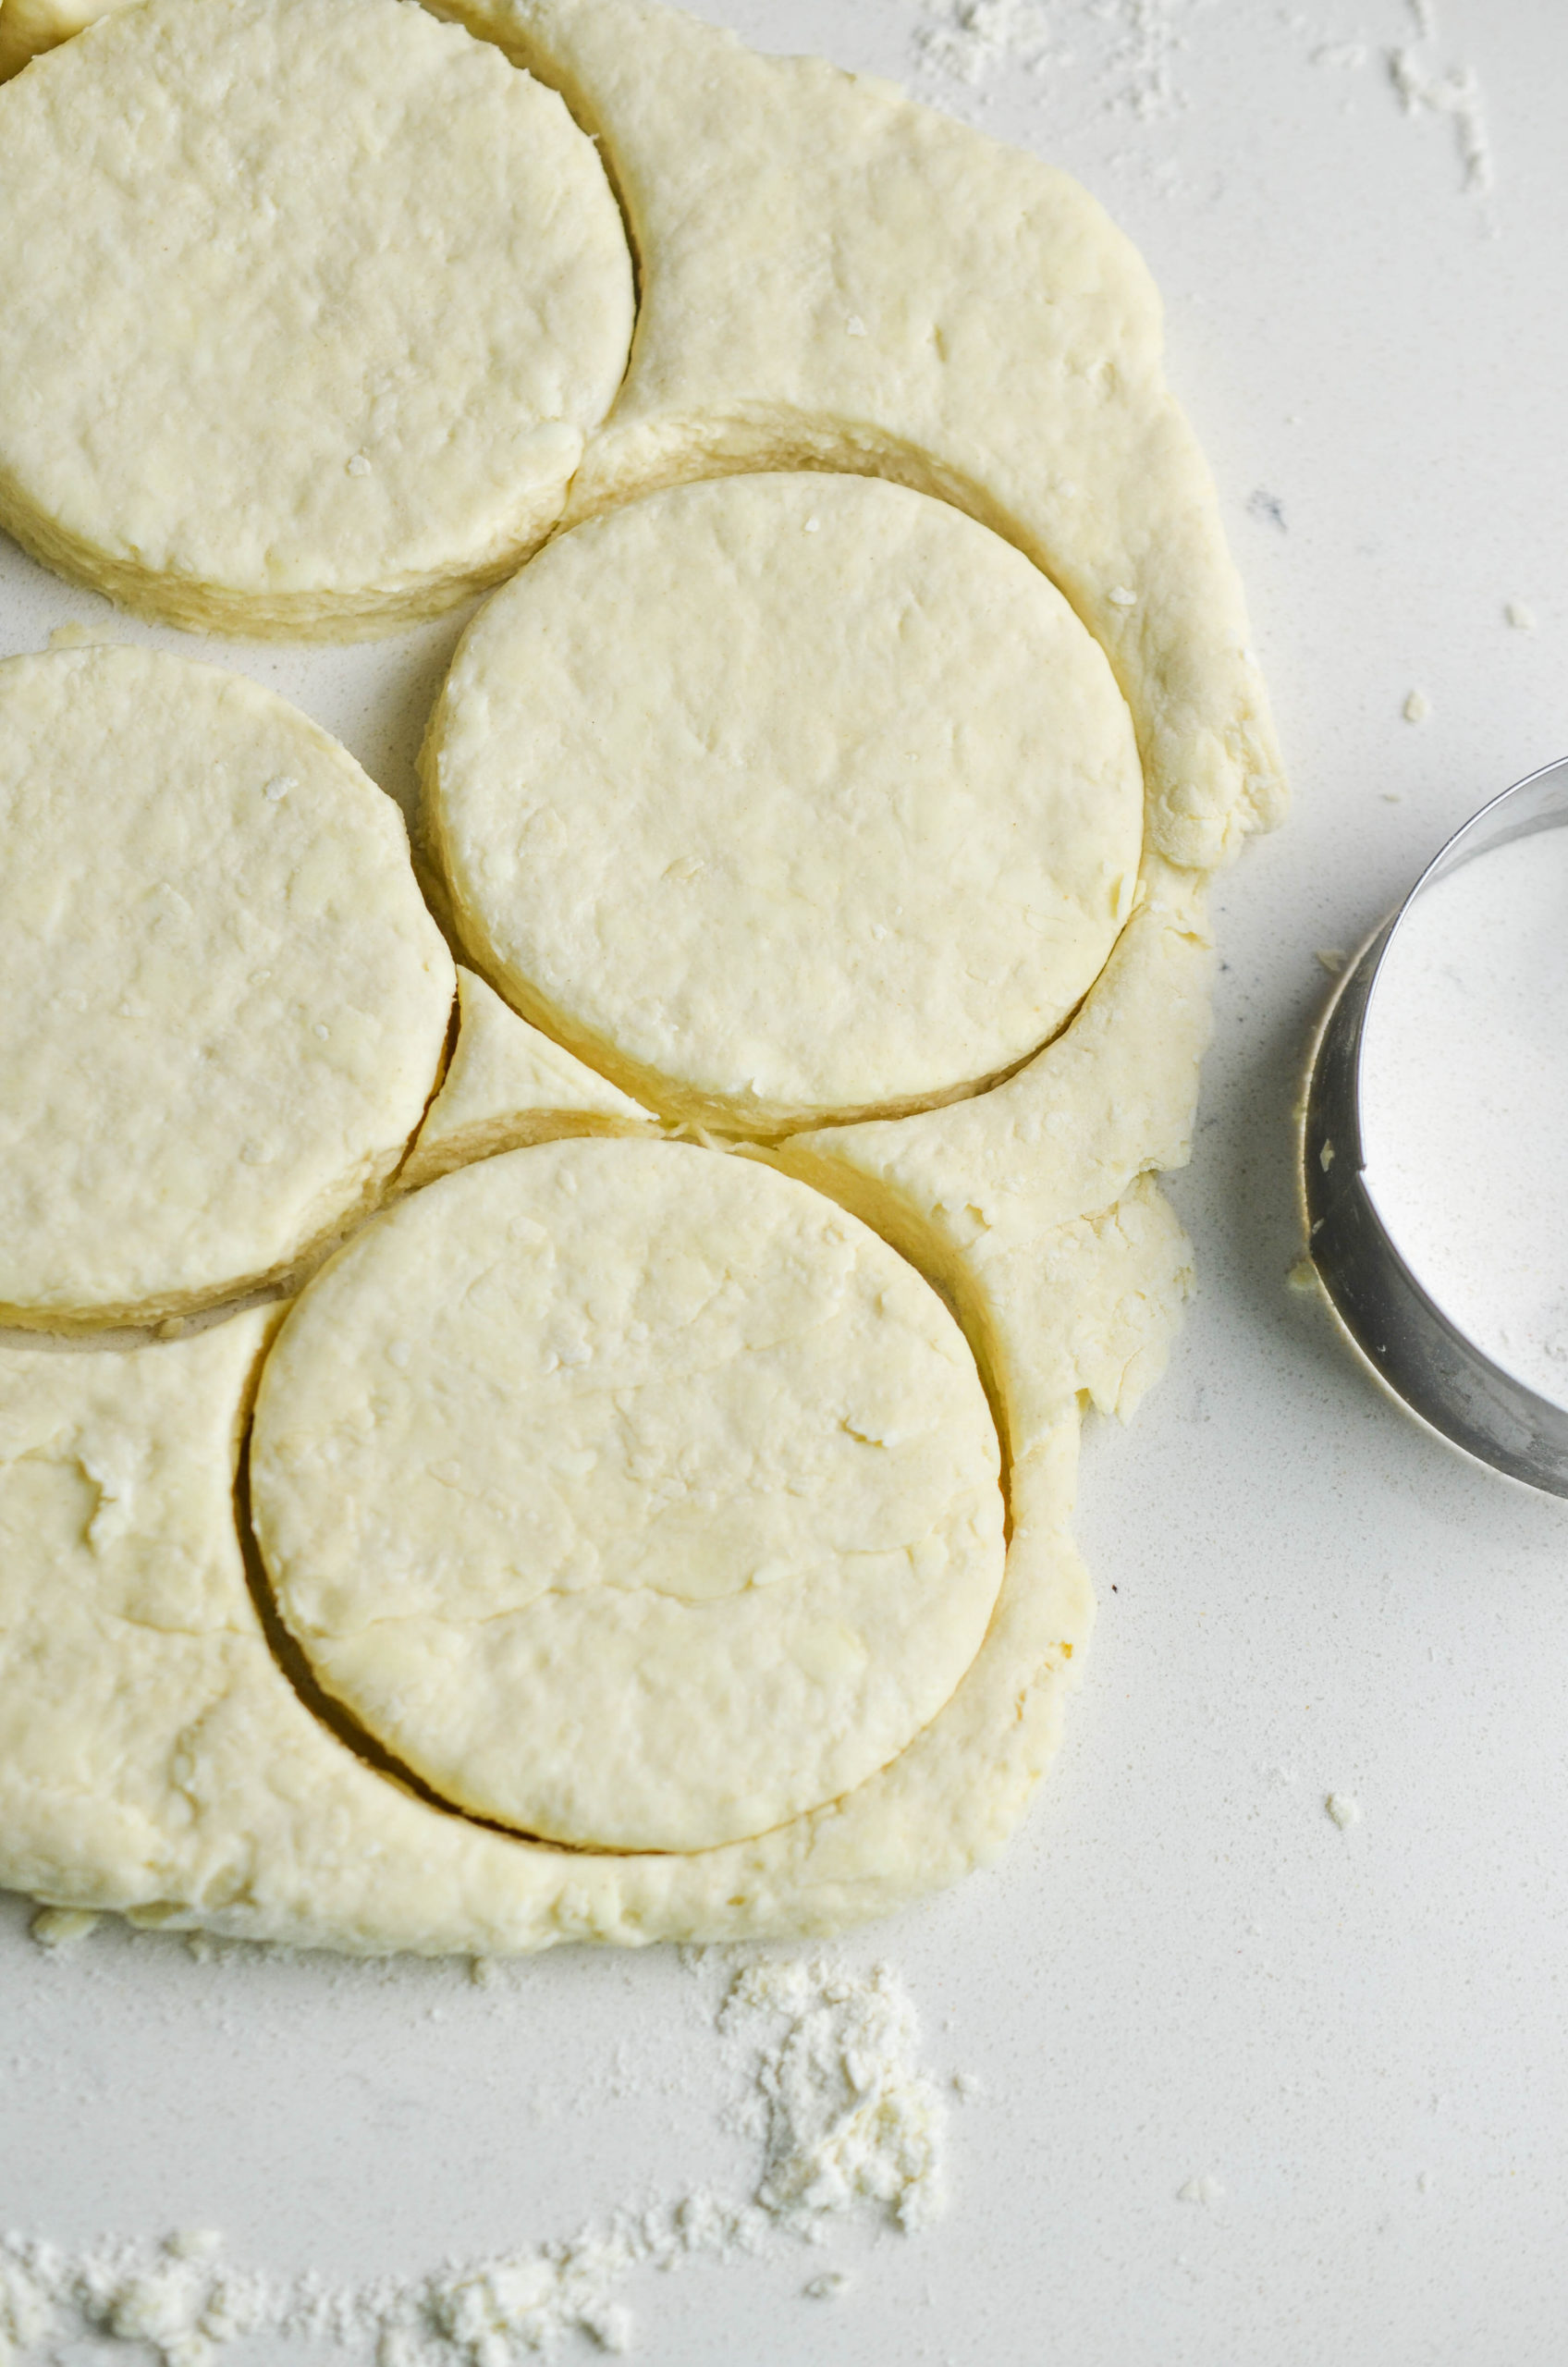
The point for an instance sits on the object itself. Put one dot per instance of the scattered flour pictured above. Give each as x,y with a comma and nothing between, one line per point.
845,2117
1144,54
971,39
1455,92
1133,44
829,2084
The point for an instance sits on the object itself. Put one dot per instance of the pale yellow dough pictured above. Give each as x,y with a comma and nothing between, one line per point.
316,304
630,1494
833,278
223,1003
832,274
507,1087
785,798
30,27
154,1759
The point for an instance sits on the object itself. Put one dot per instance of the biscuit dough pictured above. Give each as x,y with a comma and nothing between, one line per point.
833,275
786,797
317,302
507,1087
222,1001
155,1760
830,277
30,27
630,1494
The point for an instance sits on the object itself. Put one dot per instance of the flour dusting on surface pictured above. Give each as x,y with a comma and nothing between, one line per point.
845,2117
971,39
827,2082
1128,44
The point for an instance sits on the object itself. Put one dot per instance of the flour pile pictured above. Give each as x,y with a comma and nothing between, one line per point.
828,2084
1126,47
971,39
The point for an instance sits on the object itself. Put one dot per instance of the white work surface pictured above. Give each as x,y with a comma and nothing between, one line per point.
1351,2043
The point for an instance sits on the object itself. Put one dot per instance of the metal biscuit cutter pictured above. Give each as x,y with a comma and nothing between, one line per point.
1413,1346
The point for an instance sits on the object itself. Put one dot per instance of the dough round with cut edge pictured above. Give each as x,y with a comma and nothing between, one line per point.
223,1003
631,1494
316,302
784,798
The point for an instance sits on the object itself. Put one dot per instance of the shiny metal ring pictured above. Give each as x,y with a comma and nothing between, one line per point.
1412,1345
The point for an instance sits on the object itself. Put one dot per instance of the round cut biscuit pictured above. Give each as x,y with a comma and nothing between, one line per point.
315,305
787,798
223,1003
632,1494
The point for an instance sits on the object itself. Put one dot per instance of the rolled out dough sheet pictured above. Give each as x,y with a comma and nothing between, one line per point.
830,278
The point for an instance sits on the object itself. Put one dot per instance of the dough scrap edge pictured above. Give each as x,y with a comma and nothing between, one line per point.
980,1195
1040,406
1017,373
506,1088
161,1764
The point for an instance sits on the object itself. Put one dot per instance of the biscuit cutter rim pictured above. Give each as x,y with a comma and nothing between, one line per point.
1413,1346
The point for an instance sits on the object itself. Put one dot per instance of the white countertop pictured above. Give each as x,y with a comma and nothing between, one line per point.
1183,1970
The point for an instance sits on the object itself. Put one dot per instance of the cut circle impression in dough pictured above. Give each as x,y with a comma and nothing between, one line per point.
316,304
785,798
632,1494
223,1003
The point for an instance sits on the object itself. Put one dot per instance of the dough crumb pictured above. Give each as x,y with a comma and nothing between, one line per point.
1344,1808
829,2287
73,633
968,2085
1205,2190
1521,619
1121,595
1457,94
1331,958
1418,707
60,1928
1303,1276
194,2243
